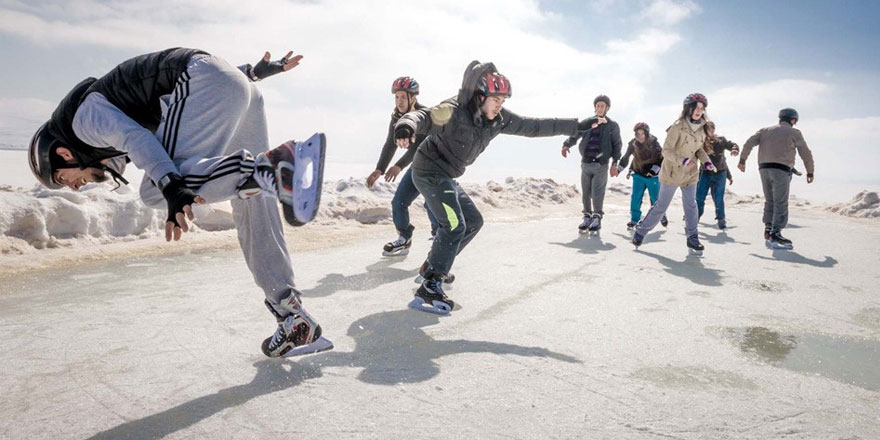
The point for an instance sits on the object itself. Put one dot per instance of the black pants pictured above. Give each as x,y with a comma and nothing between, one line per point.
458,217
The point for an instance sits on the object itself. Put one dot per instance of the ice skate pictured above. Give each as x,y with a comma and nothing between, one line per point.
584,227
397,248
423,269
430,298
294,171
630,226
637,239
664,221
297,333
722,224
694,246
595,224
777,241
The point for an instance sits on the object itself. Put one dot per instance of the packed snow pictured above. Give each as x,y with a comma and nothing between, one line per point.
865,204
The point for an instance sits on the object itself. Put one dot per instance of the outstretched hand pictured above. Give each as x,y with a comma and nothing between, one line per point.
565,151
266,68
741,167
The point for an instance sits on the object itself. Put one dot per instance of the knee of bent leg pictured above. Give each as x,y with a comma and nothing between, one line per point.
475,223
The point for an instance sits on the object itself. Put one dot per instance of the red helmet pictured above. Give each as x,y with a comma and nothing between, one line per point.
405,84
696,97
642,126
494,84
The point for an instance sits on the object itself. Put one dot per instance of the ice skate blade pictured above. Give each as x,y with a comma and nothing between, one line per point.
776,246
695,252
440,309
583,231
321,344
449,279
400,253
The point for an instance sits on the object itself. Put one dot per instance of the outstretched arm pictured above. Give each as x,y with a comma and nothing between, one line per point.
266,68
423,121
537,127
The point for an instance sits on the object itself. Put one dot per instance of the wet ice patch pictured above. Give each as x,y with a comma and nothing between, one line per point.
696,376
844,359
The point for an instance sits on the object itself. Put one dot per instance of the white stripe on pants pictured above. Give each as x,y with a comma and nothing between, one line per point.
213,125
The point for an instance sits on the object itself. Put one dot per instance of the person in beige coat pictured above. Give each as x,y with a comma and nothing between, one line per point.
682,150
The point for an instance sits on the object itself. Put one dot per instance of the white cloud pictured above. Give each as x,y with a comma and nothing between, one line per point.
669,12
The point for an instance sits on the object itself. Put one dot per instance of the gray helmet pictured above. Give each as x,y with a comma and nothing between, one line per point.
788,114
39,156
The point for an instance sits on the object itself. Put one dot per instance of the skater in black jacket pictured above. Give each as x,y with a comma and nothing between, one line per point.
406,91
459,130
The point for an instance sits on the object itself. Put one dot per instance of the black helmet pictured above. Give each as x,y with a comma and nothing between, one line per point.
40,156
603,98
788,114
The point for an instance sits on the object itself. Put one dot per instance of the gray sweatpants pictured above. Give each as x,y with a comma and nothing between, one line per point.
664,198
594,178
212,127
776,185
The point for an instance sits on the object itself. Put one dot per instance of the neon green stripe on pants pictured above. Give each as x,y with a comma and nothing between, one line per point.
450,215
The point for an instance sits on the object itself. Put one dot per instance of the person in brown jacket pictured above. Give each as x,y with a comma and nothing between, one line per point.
647,156
714,181
682,149
778,146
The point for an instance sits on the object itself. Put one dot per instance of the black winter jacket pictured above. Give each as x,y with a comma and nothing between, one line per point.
134,87
609,144
458,132
390,147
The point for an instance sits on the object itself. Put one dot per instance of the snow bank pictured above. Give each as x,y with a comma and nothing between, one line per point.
865,204
350,199
41,218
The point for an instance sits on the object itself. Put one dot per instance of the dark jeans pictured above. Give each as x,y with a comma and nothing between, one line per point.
714,183
404,196
458,218
776,184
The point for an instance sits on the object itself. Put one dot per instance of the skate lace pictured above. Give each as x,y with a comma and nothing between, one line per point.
265,178
278,337
434,286
399,242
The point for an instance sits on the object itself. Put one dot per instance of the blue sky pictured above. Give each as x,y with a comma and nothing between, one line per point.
750,58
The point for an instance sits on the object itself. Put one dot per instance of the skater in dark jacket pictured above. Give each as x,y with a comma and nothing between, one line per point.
647,158
778,145
599,145
714,181
406,91
196,126
459,130
682,152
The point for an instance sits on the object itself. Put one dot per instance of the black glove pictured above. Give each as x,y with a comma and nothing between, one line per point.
265,69
403,132
177,195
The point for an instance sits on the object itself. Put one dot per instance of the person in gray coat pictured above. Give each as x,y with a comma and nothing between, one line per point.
778,146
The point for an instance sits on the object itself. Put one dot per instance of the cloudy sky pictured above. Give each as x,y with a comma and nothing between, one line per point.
750,58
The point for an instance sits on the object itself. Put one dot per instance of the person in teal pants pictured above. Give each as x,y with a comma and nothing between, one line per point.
646,153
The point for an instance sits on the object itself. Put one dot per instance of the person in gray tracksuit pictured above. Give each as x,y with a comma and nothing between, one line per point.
197,127
778,145
459,130
599,145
